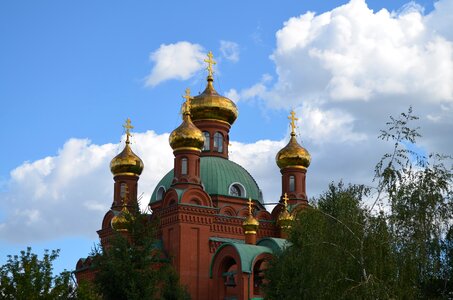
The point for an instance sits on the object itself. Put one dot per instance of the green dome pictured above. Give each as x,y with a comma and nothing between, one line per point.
217,176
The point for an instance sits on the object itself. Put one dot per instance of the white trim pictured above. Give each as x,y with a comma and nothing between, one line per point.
157,193
241,188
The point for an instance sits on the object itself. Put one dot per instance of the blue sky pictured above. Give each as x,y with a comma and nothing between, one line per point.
72,72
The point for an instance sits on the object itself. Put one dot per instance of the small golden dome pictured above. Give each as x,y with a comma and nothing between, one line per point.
187,135
293,155
212,106
127,162
285,219
250,225
119,221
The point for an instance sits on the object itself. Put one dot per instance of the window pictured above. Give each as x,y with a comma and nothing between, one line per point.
206,141
292,183
218,142
123,191
183,166
160,193
237,190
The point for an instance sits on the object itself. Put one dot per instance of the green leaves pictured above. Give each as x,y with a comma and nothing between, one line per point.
25,276
341,249
133,267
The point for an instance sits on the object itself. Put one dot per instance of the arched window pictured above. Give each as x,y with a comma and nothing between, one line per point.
218,142
237,190
160,193
123,192
292,183
206,141
184,166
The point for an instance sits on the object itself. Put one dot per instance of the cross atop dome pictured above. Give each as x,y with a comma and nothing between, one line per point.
187,103
285,200
210,61
293,123
127,126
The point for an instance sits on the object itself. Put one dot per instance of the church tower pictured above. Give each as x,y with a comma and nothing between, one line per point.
126,168
186,141
293,161
213,114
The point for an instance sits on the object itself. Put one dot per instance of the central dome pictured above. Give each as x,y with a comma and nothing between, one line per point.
218,175
209,105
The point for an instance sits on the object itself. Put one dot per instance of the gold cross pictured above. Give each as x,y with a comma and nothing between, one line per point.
293,123
250,206
285,200
128,128
210,62
187,104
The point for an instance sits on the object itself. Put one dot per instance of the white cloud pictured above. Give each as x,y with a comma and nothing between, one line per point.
353,53
229,50
348,69
68,194
175,61
233,95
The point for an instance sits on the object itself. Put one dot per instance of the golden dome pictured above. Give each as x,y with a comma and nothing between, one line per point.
250,225
285,219
187,135
127,162
119,221
293,154
212,106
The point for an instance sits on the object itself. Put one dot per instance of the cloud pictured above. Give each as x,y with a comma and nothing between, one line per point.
348,69
229,50
175,61
354,54
68,194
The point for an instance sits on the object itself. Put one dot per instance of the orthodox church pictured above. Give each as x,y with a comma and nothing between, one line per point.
213,224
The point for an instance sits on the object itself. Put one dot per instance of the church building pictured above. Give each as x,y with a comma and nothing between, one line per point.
213,223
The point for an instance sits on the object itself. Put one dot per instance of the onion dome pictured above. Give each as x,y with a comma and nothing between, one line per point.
250,225
187,135
210,105
119,221
293,154
127,162
285,219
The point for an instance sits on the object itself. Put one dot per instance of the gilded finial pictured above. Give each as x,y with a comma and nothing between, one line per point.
285,200
188,99
293,123
250,206
210,61
127,126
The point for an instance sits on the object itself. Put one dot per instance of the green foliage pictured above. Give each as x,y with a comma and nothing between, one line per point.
335,245
342,249
132,267
27,277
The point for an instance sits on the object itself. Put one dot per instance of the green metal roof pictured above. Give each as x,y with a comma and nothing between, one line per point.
247,254
277,245
217,174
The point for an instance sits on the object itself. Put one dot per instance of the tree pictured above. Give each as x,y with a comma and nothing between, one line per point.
27,277
133,267
340,248
334,246
419,192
